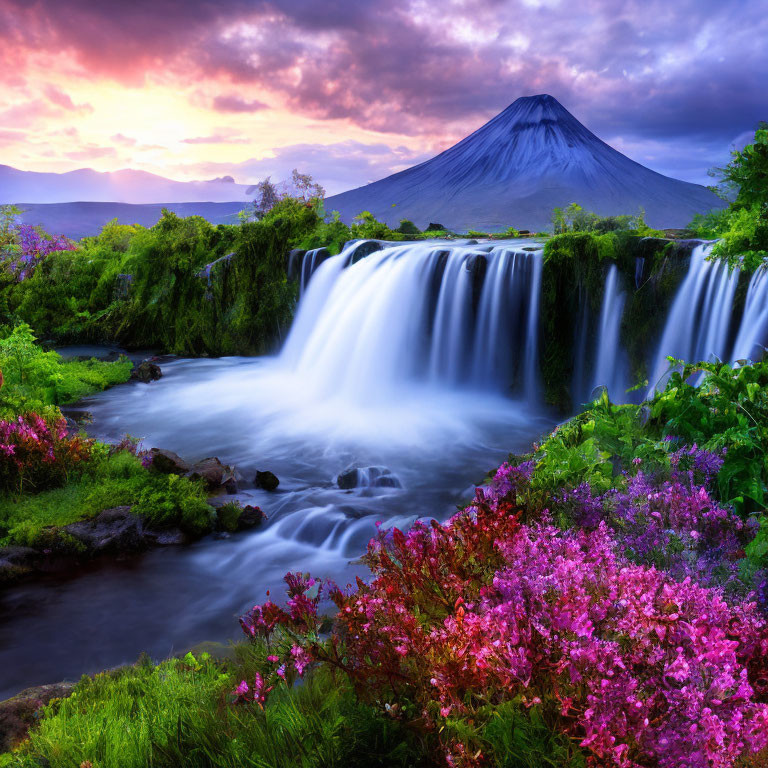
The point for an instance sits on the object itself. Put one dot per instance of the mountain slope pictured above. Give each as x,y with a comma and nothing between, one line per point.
126,186
514,170
78,220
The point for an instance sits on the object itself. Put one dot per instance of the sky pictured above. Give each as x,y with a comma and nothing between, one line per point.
352,90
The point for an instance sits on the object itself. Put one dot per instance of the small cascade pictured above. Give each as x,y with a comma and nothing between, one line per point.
753,331
378,316
639,270
698,324
610,361
311,261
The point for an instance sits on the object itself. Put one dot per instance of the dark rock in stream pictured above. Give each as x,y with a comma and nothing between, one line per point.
18,714
367,477
250,517
113,530
17,561
168,462
266,480
147,372
215,474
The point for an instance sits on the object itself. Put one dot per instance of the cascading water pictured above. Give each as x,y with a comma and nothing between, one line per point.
753,331
610,368
698,324
389,402
451,316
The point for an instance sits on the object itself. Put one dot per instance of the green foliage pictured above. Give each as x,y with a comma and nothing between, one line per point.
575,219
743,226
109,480
177,713
407,227
727,411
36,380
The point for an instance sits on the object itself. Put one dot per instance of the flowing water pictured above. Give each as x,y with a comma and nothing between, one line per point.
415,365
419,359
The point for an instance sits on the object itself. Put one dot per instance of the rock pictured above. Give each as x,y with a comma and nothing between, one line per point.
266,480
16,562
168,462
250,517
363,249
17,714
215,474
169,537
294,263
112,530
367,477
435,227
147,372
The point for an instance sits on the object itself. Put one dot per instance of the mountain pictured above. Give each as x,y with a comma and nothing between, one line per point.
529,159
78,220
124,186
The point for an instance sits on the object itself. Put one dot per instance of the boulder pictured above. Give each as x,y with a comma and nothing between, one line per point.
215,474
266,480
250,517
168,537
17,561
147,372
113,530
168,462
17,714
367,477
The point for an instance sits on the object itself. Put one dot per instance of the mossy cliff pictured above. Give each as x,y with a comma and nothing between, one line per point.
573,279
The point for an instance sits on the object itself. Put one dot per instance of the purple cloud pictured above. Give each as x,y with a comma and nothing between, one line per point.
236,104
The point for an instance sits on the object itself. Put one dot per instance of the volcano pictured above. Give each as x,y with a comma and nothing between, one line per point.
532,157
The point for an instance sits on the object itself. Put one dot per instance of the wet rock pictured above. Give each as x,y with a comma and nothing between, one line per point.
365,248
16,562
266,480
112,530
147,372
215,474
367,477
250,517
294,262
168,462
169,537
17,714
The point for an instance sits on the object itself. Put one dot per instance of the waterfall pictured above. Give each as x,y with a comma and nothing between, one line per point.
698,324
610,360
753,331
380,316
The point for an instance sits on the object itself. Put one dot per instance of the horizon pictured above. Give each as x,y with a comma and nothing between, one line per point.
251,92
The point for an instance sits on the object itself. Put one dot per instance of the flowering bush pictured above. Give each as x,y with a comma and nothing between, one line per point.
640,668
36,453
29,246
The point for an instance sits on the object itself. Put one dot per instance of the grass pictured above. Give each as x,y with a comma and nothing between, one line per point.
112,481
179,712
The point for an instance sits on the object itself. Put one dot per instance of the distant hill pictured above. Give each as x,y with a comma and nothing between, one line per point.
514,170
78,220
127,186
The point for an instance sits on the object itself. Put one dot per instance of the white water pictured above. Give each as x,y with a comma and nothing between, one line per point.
698,324
610,369
753,331
361,383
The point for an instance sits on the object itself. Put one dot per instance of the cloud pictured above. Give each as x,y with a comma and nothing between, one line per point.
59,98
236,104
217,138
125,141
689,73
91,152
336,167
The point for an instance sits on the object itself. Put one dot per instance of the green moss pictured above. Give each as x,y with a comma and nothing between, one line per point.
110,481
